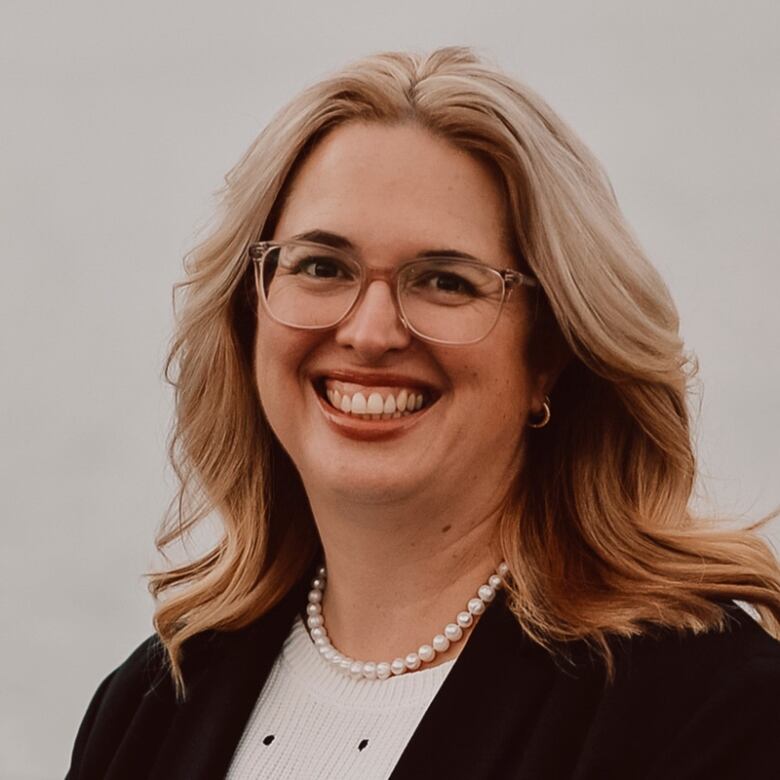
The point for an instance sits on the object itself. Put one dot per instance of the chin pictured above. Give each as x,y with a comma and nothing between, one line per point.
366,480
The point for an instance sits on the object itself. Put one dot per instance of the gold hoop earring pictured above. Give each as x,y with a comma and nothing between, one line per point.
545,415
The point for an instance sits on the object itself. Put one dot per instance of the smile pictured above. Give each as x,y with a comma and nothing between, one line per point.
373,402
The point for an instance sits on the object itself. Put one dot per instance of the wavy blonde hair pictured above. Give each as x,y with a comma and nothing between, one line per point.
597,532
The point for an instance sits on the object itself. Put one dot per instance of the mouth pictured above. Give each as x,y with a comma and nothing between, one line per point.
378,401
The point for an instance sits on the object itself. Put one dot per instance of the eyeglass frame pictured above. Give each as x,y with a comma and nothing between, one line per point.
510,278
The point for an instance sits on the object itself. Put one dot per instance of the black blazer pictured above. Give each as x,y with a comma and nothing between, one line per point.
681,706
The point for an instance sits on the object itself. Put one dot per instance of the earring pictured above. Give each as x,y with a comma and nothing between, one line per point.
545,415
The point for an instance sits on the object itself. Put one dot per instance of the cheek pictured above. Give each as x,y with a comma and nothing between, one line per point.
500,374
279,355
493,398
512,397
266,365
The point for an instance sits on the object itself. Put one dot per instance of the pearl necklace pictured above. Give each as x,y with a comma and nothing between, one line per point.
453,632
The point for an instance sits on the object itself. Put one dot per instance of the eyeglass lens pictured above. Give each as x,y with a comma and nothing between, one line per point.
445,299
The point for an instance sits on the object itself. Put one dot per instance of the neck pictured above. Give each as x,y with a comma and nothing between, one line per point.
398,573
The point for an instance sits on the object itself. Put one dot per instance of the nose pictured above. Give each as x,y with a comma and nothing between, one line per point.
374,326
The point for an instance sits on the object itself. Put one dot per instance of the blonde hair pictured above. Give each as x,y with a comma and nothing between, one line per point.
597,532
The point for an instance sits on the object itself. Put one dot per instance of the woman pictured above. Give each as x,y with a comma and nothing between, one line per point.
425,375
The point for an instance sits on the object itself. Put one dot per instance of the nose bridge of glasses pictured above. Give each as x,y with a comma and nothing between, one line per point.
371,275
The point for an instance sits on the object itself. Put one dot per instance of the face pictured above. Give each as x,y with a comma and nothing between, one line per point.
395,193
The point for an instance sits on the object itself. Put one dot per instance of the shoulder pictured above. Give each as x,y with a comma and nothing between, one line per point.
132,708
114,704
708,704
742,647
135,718
140,672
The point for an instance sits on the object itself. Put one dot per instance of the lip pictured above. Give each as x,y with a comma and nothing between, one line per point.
376,379
368,430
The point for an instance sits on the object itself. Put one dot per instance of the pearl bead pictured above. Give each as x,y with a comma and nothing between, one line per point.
383,670
464,619
329,653
322,641
398,666
318,633
321,571
426,653
346,662
313,609
356,669
318,584
315,596
476,606
453,632
369,670
412,661
440,643
336,658
486,593
502,569
494,581
314,621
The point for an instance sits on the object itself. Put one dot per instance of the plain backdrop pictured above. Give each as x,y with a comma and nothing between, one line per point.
119,121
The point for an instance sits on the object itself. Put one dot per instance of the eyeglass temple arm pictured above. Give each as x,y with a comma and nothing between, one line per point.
514,278
257,249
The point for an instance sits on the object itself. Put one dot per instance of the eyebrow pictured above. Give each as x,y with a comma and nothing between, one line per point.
337,241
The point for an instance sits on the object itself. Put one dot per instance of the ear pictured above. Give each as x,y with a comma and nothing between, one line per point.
545,379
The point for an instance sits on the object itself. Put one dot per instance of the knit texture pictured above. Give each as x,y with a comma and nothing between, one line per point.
312,721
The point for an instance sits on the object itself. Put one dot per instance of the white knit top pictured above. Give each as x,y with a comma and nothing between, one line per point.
312,721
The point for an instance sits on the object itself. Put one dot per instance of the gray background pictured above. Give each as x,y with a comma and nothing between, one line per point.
120,119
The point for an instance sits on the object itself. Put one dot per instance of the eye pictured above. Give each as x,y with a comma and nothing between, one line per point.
445,284
314,264
448,282
323,268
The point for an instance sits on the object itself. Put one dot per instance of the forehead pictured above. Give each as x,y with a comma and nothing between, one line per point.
396,188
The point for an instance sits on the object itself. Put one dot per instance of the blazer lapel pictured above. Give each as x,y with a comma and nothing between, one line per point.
227,677
474,722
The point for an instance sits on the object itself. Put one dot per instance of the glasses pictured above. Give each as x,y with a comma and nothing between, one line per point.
445,300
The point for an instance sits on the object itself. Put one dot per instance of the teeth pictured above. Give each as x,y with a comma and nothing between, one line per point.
358,404
375,403
375,407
